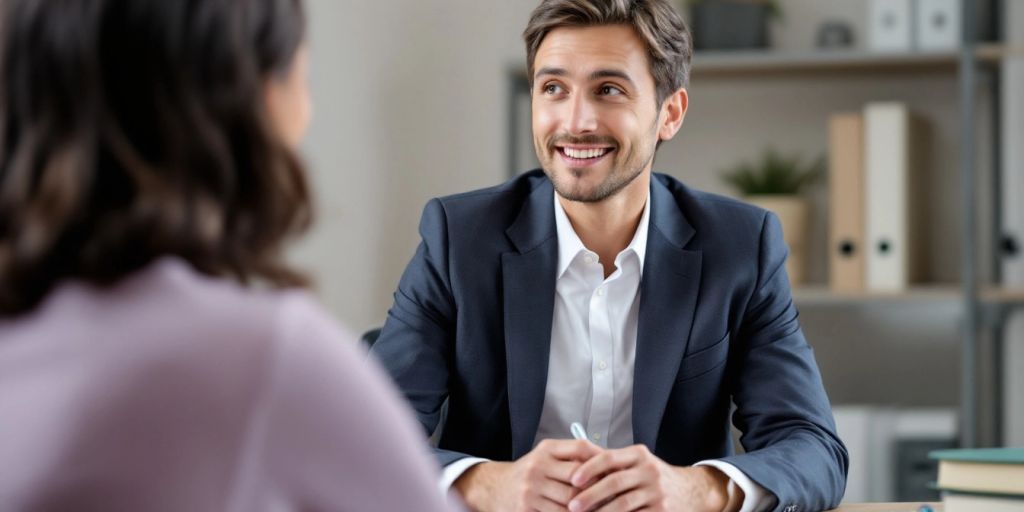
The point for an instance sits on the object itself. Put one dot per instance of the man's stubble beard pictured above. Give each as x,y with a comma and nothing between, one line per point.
612,184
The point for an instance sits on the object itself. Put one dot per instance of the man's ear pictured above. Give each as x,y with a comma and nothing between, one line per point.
673,110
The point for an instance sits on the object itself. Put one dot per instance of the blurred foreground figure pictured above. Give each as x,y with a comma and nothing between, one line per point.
156,353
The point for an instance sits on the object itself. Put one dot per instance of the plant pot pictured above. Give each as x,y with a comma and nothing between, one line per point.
794,215
729,25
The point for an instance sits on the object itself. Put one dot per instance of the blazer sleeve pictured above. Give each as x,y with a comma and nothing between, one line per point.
789,434
416,345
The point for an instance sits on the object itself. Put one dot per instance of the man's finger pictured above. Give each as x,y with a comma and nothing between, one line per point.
608,489
637,499
561,470
609,461
571,449
545,505
557,492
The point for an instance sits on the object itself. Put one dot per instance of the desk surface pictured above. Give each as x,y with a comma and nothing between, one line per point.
886,507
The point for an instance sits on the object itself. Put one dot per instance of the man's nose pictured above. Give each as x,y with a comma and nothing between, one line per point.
581,117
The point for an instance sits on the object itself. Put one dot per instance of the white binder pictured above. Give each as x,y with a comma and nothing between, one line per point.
892,225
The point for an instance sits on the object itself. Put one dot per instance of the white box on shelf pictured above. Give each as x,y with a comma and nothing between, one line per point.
938,26
890,25
867,433
871,434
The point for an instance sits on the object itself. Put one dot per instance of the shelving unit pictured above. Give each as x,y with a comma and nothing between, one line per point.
984,307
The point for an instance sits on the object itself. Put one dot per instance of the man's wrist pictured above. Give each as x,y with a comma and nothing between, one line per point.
476,485
717,495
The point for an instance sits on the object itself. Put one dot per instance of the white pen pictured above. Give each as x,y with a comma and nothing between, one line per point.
577,430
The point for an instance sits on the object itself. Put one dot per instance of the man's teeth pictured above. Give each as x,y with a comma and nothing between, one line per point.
584,153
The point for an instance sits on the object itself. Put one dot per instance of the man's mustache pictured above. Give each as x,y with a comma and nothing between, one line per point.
593,140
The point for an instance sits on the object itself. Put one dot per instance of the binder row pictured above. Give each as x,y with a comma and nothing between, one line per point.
875,232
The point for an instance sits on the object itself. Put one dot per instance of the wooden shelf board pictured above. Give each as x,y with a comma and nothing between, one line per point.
1000,295
769,61
821,294
992,52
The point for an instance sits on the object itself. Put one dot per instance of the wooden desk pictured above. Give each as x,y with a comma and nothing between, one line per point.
886,507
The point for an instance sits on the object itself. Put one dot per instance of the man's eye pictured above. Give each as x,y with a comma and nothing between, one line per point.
552,89
610,90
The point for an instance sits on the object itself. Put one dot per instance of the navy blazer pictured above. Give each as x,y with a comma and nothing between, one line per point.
471,322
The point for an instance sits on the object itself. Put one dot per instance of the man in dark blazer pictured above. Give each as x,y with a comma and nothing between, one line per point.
597,292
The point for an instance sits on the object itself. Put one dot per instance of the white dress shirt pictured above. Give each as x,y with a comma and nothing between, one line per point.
593,344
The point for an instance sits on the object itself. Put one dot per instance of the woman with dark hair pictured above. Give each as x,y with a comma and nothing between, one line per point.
156,353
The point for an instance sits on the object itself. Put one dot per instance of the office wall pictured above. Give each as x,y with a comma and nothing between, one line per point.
409,104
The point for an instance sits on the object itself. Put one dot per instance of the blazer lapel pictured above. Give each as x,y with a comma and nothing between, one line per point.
528,276
668,298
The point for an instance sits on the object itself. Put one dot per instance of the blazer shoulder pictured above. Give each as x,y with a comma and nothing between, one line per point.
499,204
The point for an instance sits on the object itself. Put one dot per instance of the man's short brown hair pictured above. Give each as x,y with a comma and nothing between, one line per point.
656,22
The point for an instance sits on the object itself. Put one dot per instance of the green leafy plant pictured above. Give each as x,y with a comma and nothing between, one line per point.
774,174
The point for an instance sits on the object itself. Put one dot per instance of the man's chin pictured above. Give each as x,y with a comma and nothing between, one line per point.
572,187
580,193
581,185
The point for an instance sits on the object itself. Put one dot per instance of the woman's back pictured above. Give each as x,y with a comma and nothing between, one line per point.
176,391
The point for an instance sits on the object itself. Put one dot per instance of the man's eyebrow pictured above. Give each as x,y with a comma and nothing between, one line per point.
611,73
596,75
550,71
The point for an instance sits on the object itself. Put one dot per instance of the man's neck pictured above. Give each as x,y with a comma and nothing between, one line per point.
607,227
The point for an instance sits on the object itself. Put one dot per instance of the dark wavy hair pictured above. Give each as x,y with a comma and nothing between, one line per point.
134,129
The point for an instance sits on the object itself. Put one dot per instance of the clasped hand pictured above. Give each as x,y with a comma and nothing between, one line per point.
579,476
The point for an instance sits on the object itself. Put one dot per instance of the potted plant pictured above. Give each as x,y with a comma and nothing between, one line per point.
731,24
775,183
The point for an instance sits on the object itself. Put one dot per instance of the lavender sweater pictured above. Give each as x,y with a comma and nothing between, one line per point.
173,391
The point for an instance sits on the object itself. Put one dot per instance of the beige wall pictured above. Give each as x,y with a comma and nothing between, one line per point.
409,104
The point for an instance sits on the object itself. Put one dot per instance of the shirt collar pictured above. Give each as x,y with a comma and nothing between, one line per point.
570,245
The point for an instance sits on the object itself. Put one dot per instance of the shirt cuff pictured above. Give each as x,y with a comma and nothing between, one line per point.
755,497
453,471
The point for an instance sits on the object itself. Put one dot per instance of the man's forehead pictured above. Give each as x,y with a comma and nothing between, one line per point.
592,47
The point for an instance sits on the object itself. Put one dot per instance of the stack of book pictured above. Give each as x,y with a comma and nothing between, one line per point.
982,480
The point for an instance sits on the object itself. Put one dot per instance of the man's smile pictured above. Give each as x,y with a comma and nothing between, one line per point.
583,155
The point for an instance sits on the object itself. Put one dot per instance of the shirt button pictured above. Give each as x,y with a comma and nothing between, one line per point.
600,292
602,365
591,259
596,436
